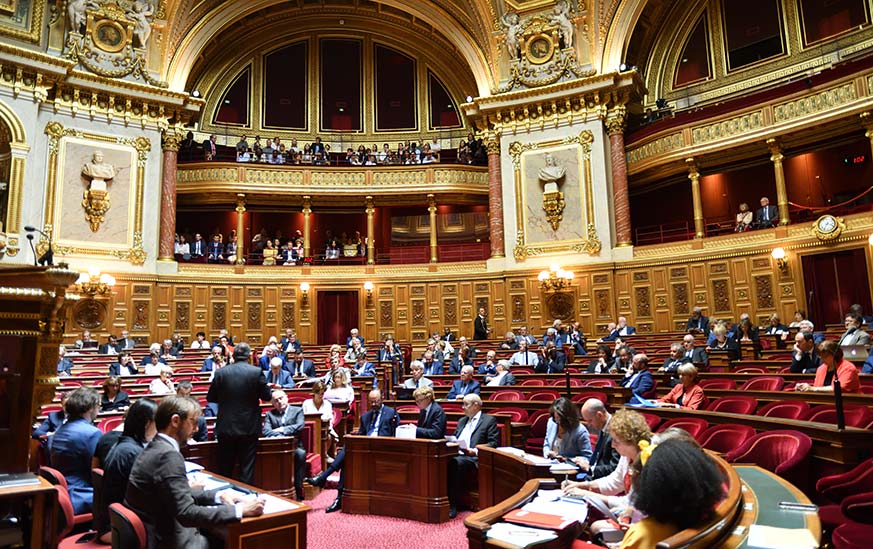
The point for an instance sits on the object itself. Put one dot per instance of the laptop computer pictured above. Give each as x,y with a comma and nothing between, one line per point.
854,353
405,393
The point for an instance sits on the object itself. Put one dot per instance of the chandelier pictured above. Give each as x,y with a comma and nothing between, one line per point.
92,283
555,279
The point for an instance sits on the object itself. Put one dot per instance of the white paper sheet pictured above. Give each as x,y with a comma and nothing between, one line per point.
771,537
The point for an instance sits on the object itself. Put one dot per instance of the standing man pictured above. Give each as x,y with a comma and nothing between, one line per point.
287,421
158,490
209,148
236,389
480,326
475,428
432,418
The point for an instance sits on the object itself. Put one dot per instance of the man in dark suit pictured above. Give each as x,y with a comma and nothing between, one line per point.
289,343
432,418
475,428
767,215
697,323
354,333
552,360
215,361
209,148
270,352
480,326
464,386
300,366
53,420
277,377
677,358
804,360
379,421
65,364
126,365
318,151
111,347
215,250
158,490
198,246
432,367
696,355
605,458
622,329
126,342
287,421
640,381
236,389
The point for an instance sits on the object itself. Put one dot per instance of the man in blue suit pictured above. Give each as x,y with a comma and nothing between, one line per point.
269,353
489,367
65,364
300,366
432,367
354,334
464,386
640,381
217,357
73,444
54,420
277,377
363,367
379,421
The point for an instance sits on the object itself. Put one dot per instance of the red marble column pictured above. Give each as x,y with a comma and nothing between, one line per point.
615,128
495,198
170,148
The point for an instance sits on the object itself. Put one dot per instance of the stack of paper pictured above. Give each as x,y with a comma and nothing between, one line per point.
520,536
771,537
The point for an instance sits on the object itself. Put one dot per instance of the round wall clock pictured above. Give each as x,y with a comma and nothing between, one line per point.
828,227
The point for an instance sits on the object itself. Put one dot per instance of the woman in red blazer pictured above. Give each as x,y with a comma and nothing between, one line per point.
687,394
833,367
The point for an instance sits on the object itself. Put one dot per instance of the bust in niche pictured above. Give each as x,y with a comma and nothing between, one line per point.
98,172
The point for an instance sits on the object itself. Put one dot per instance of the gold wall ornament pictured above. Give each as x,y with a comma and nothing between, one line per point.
553,204
551,176
828,227
95,200
22,19
95,204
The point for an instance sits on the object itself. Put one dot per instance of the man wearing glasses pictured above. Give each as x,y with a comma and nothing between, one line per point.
432,418
475,428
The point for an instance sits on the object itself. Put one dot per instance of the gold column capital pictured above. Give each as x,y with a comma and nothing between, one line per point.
616,120
431,203
492,145
240,203
171,141
775,147
693,168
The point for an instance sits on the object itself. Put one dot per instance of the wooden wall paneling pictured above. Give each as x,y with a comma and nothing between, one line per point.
118,304
236,313
163,301
721,297
623,289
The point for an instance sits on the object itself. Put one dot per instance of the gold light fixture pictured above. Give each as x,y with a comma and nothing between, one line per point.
304,289
92,283
555,279
368,286
779,255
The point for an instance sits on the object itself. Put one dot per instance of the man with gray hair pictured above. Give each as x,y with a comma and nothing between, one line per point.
474,428
524,357
697,323
464,386
417,380
502,376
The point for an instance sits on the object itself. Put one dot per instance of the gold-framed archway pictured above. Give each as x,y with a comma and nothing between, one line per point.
19,148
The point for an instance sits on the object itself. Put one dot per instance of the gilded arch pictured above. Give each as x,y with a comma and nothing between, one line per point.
18,145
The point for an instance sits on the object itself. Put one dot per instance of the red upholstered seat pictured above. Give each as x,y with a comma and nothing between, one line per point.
651,393
110,423
724,438
721,384
537,434
522,370
605,382
763,383
533,383
507,394
127,528
752,370
784,452
836,488
867,388
185,370
694,426
66,523
856,415
652,420
548,395
407,408
574,382
54,476
858,531
582,397
451,406
518,415
738,404
295,398
788,409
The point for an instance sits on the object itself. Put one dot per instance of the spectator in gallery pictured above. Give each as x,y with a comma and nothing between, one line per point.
198,246
744,219
269,253
215,250
318,151
209,149
181,246
242,145
767,215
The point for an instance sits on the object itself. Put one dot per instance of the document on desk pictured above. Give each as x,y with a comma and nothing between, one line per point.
272,504
207,481
771,537
519,536
559,508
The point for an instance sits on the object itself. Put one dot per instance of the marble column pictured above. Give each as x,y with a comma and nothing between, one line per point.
495,197
240,228
371,231
694,176
307,211
432,210
615,125
781,191
170,145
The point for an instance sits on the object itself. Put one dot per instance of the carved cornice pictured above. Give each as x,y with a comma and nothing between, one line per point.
172,140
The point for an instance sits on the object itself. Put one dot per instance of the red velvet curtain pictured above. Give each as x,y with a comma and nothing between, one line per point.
337,314
835,281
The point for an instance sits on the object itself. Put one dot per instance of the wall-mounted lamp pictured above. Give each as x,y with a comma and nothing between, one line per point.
92,283
870,239
555,279
779,255
368,286
304,289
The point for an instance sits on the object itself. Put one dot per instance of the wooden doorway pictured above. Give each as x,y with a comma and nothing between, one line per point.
833,282
337,314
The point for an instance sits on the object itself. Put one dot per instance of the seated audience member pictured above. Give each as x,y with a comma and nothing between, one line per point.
111,347
744,219
417,380
464,386
566,437
804,359
687,394
439,355
640,381
287,421
610,327
163,385
215,250
748,333
182,247
576,339
335,366
678,487
724,343
379,420
502,376
524,357
775,327
603,363
340,391
799,316
317,404
270,352
697,323
268,253
126,342
854,334
696,355
622,329
677,358
623,362
627,429
509,342
432,367
184,389
126,365
556,334
300,366
364,367
858,310
354,333
767,216
463,343
277,377
65,363
604,458
473,429
158,490
390,352
356,348
139,430
198,246
113,397
215,361
432,419
73,446
834,366
152,362
524,336
86,342
463,357
552,360
200,341
490,365
52,421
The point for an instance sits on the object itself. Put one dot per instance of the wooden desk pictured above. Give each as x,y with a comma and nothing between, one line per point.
404,478
502,474
281,529
36,506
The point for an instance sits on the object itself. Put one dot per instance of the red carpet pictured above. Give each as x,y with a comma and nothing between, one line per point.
344,531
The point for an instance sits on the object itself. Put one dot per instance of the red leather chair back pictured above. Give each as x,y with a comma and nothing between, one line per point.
548,395
724,438
752,370
784,452
53,476
787,409
66,517
856,415
734,405
694,426
574,382
582,397
764,383
128,530
722,384
537,433
651,419
407,408
533,383
110,423
518,415
838,487
507,394
605,382
451,407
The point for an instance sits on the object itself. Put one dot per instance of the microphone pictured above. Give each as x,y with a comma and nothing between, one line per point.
30,238
48,257
30,228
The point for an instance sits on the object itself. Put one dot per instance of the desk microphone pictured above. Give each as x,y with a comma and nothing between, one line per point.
48,257
30,238
838,404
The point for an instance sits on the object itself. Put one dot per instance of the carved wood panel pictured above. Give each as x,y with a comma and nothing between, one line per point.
386,314
764,291
644,308
253,317
183,315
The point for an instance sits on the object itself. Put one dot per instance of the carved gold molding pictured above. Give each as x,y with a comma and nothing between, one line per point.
591,244
135,253
35,32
